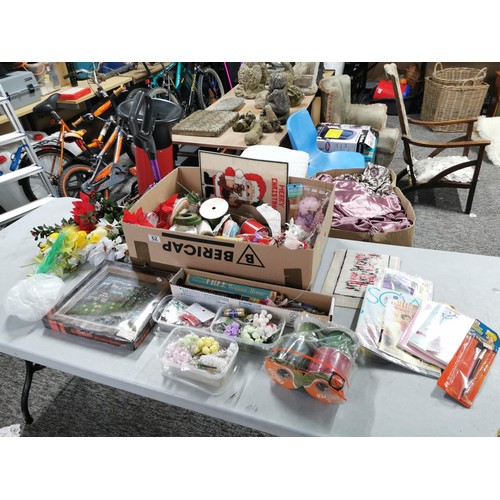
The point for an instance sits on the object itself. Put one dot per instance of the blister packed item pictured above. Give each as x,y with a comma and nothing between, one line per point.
399,281
199,359
31,298
467,370
319,361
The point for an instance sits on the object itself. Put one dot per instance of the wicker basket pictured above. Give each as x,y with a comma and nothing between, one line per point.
452,102
458,76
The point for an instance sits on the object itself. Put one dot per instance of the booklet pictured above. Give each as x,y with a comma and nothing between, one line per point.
435,332
383,317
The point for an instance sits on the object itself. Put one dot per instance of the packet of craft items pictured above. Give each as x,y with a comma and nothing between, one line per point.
384,316
174,312
307,208
399,281
465,373
321,366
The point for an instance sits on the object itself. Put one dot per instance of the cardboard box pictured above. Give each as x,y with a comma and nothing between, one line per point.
403,237
324,303
343,137
172,250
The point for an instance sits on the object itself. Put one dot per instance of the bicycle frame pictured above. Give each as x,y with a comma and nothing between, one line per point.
111,174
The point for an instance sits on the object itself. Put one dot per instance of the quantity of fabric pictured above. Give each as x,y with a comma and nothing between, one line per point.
366,202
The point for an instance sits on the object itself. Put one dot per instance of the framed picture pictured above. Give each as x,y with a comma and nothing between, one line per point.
113,304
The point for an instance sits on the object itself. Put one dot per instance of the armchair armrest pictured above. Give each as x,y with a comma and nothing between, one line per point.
373,115
445,145
447,122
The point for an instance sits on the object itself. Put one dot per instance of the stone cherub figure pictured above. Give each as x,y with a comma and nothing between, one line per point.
252,79
277,96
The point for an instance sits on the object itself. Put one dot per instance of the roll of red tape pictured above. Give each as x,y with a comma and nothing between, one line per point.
251,226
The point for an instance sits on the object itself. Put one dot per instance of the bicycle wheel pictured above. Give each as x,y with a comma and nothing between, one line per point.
161,93
48,159
72,179
209,88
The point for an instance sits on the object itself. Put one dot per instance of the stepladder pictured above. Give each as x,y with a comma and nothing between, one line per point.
16,205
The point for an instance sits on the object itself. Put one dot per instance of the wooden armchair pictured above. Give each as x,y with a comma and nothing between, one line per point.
437,171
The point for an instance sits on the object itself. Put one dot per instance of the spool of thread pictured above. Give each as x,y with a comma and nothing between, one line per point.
204,228
238,312
180,205
184,229
187,219
213,209
320,390
333,363
295,350
280,374
230,229
251,226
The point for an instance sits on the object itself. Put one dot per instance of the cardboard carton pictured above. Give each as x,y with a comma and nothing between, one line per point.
171,250
322,302
344,137
403,237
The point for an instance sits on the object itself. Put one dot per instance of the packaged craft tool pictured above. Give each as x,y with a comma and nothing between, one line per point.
468,368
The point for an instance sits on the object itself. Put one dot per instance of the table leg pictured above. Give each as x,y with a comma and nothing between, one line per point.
31,368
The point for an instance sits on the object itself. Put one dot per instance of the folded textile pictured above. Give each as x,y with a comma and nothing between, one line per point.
366,202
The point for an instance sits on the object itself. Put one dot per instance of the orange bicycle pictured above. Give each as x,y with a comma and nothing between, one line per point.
95,175
55,152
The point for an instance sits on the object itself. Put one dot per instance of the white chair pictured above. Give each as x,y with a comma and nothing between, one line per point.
298,161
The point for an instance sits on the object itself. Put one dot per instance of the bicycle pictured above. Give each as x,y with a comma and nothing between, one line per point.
192,88
95,175
54,154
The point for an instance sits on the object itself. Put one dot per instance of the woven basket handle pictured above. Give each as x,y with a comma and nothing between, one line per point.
436,68
469,80
482,73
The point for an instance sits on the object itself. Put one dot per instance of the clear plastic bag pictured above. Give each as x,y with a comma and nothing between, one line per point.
31,298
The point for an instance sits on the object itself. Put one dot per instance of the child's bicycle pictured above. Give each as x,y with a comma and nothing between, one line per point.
95,174
192,87
55,152
106,179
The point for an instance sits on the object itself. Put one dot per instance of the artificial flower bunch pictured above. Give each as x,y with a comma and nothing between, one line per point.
205,352
93,234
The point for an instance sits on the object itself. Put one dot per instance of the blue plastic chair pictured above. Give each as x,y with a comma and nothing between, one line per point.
302,133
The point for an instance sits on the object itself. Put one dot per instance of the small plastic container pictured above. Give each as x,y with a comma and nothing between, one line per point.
193,369
225,311
166,325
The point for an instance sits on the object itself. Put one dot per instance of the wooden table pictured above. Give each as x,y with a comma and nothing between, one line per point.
107,85
235,141
383,400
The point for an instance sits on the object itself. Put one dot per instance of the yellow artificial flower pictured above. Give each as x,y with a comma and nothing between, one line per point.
96,235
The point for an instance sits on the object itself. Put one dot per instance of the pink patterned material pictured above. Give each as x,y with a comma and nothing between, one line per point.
356,209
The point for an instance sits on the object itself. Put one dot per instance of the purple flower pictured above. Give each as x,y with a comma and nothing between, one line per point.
233,330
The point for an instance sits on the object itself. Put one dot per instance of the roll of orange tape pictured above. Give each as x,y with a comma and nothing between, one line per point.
322,391
280,374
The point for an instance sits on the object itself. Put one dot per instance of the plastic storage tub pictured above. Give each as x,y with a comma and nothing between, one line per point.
166,323
180,361
249,345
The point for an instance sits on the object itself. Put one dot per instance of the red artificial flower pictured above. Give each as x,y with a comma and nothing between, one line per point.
164,211
137,218
84,213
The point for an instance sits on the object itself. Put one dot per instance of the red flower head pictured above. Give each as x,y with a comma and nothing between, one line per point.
84,213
